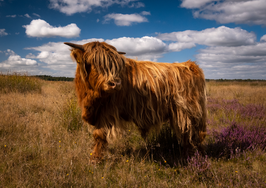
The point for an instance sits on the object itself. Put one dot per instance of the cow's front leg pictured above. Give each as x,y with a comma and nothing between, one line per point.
89,108
100,142
88,114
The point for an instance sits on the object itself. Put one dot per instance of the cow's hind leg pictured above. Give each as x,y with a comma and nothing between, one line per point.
188,148
183,134
194,144
100,142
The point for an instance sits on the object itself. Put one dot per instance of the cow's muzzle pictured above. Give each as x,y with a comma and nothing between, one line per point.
115,84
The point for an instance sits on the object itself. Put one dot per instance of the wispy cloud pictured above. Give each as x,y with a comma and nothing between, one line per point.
70,7
36,15
137,5
227,11
27,15
195,4
40,28
145,13
11,16
126,19
3,32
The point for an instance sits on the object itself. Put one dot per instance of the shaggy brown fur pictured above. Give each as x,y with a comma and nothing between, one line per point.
113,90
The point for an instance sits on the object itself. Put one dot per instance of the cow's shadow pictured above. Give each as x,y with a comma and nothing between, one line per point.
164,149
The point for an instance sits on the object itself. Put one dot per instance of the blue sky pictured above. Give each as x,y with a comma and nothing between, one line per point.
226,38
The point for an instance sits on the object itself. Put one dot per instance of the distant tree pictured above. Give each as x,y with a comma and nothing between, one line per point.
51,78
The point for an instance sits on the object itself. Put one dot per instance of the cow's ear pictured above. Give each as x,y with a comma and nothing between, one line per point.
77,55
84,67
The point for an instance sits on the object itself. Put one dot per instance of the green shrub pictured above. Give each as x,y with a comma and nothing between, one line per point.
71,114
22,83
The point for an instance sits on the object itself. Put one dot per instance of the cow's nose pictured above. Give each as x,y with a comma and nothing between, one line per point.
112,84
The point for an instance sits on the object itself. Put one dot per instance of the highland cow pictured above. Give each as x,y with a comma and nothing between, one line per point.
114,90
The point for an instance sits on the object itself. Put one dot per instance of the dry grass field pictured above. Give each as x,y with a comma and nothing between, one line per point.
44,143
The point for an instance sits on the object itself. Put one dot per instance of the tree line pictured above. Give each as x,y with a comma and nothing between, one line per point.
51,78
62,78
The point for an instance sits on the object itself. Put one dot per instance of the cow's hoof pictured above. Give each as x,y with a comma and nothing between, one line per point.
95,161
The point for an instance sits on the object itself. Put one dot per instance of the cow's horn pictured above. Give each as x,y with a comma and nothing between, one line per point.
122,52
77,46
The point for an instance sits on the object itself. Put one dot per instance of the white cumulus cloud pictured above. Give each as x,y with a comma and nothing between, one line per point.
179,46
237,54
144,48
244,61
227,11
234,62
70,7
40,28
221,36
16,63
126,19
229,52
263,38
55,56
57,53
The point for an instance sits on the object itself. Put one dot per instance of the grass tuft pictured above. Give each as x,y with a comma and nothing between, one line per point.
71,114
22,83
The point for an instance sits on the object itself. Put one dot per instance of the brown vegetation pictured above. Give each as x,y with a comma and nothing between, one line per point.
44,143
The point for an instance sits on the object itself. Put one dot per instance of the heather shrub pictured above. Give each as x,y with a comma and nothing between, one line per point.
21,83
249,111
245,111
199,166
236,138
253,111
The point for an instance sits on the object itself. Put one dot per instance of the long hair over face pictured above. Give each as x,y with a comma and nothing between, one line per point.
100,64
